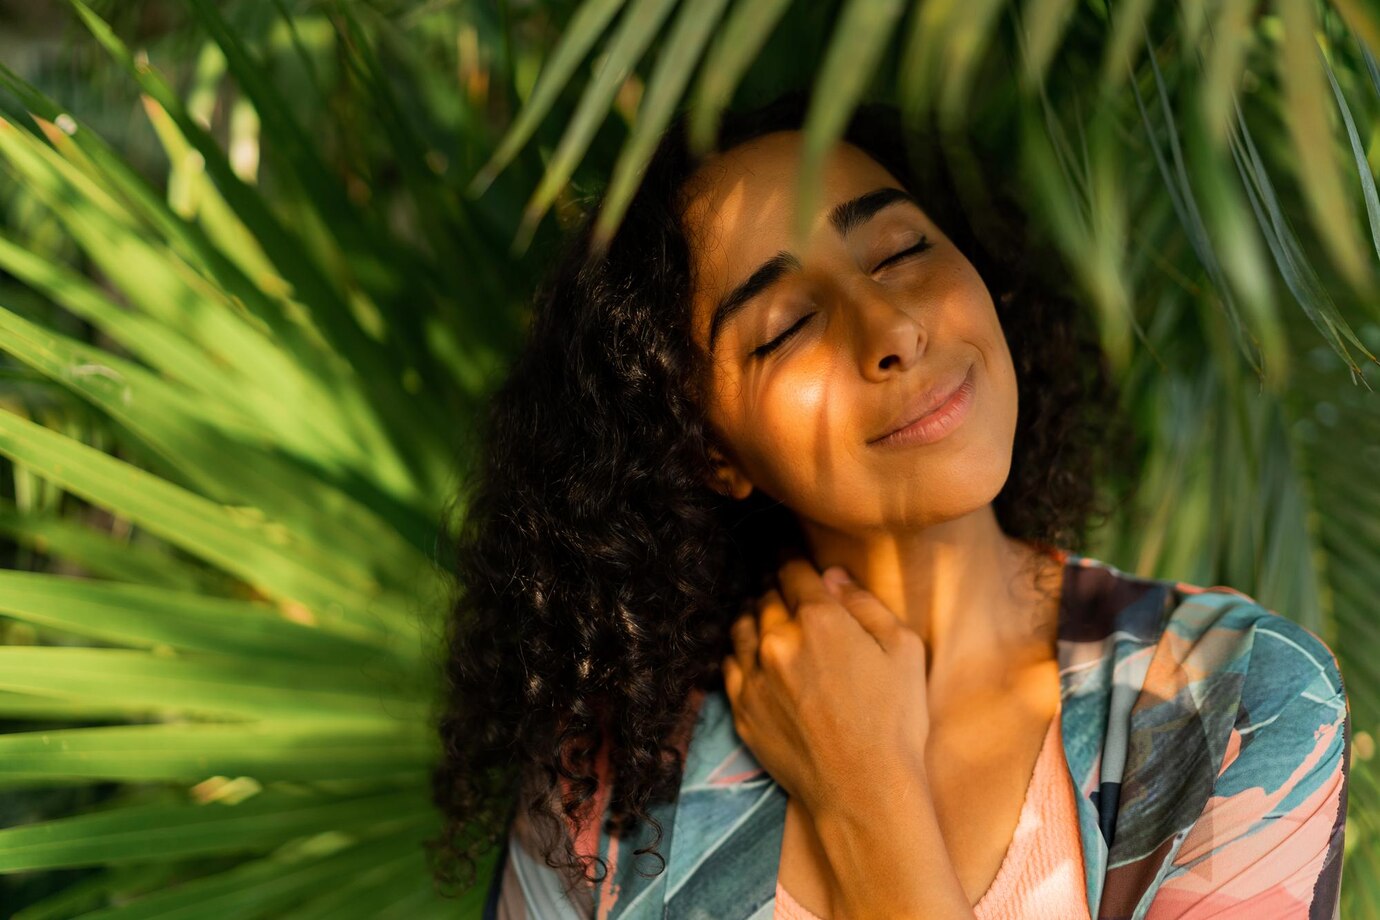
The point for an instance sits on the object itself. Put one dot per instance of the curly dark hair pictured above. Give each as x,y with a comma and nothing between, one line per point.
596,571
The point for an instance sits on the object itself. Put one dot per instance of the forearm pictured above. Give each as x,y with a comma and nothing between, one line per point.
887,853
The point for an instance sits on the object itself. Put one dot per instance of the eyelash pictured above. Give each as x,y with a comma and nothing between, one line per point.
763,350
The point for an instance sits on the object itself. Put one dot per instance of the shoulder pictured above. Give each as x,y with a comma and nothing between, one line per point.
1213,632
1268,690
1224,631
1232,674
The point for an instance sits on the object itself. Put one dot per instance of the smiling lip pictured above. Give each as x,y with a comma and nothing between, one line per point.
934,423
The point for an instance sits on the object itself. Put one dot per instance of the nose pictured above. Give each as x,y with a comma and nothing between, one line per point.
889,332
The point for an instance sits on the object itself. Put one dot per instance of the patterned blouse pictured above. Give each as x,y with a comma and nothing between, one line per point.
1207,739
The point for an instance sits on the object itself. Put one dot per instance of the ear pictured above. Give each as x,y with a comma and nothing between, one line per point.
728,479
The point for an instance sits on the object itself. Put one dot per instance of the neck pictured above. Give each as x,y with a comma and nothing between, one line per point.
982,602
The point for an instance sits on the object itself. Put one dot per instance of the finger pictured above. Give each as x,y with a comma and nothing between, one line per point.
744,634
874,616
733,678
800,581
771,612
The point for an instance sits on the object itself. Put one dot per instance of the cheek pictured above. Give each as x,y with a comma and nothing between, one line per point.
1001,371
782,419
999,399
805,432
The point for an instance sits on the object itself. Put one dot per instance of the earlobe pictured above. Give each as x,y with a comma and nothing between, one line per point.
733,487
727,479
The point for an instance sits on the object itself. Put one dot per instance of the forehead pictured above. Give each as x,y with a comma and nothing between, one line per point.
739,206
747,194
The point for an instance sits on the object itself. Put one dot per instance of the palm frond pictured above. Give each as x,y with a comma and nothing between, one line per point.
292,331
943,50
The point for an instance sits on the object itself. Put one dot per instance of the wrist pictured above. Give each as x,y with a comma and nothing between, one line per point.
886,851
883,792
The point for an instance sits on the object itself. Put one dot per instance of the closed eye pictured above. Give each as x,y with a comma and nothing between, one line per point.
913,250
762,351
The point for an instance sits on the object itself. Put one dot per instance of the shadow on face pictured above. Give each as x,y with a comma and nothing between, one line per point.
817,353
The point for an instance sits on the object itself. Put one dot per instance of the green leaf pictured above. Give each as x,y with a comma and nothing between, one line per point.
301,153
209,685
1128,32
635,32
576,39
153,617
1302,280
391,888
143,561
320,412
862,31
1358,151
292,749
1226,63
693,26
396,412
1187,207
100,888
743,35
257,551
1044,26
1318,172
264,887
140,833
200,438
26,706
152,338
945,43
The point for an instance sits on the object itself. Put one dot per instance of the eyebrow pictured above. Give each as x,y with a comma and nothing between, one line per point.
844,218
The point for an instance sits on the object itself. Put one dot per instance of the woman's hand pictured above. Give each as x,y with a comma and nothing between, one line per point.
828,687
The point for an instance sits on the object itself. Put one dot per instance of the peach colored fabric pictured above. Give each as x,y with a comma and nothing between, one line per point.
1041,876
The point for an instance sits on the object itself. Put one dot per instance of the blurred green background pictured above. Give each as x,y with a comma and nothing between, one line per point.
260,262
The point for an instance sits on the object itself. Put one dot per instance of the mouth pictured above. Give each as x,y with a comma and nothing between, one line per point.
944,414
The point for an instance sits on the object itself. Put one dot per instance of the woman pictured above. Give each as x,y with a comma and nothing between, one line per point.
929,706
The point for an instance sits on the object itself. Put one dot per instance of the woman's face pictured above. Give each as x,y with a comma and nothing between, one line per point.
874,319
